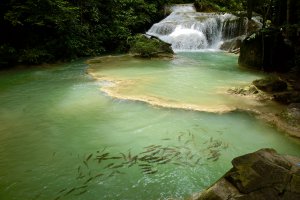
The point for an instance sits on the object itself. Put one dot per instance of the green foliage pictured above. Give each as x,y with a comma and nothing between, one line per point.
34,31
219,5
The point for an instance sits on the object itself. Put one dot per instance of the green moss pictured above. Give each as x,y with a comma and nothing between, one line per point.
148,47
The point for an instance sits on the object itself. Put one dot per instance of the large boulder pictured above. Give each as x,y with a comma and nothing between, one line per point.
261,175
266,50
150,46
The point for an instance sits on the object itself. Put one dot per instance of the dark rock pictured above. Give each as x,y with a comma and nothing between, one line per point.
261,175
287,97
266,50
270,85
259,170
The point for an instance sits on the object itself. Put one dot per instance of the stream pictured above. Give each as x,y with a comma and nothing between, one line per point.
128,128
63,137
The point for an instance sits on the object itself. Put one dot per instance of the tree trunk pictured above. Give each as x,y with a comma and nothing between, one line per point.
288,12
249,9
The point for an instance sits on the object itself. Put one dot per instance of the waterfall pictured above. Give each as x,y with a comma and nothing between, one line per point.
188,30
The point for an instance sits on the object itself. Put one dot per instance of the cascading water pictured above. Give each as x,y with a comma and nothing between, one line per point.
188,30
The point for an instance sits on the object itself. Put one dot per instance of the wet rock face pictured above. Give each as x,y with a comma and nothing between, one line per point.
266,50
263,174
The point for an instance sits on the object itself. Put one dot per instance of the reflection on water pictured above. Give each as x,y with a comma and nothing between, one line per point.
62,138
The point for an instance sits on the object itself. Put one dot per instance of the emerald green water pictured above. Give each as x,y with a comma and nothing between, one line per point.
63,137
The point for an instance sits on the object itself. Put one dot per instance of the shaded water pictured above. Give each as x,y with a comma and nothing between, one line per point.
62,138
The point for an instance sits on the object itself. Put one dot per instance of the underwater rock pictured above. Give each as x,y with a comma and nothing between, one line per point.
263,174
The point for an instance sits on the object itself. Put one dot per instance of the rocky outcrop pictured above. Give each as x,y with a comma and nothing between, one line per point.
262,175
266,50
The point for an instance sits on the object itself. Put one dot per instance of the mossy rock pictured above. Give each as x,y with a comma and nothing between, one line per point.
148,47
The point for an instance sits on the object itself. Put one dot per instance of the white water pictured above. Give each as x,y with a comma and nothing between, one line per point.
188,30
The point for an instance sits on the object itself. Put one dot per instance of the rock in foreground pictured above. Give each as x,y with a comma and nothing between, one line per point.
262,175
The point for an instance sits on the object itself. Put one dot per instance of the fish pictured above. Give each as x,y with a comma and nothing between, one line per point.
156,152
144,158
70,191
57,198
111,174
166,139
144,165
102,150
188,141
78,169
134,158
80,193
160,159
179,138
176,154
216,158
98,175
149,146
117,166
88,180
132,163
146,168
197,161
164,161
80,176
118,172
169,149
123,155
87,159
149,150
80,187
114,157
151,172
103,155
188,164
62,190
85,163
109,165
188,153
129,155
176,163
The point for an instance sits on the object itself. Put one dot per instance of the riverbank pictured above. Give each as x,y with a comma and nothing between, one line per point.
282,89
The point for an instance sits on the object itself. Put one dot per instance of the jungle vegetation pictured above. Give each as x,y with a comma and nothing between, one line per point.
43,31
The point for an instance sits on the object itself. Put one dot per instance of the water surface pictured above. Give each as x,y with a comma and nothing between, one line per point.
63,137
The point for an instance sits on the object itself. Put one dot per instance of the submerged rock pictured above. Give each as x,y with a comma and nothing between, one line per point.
261,175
